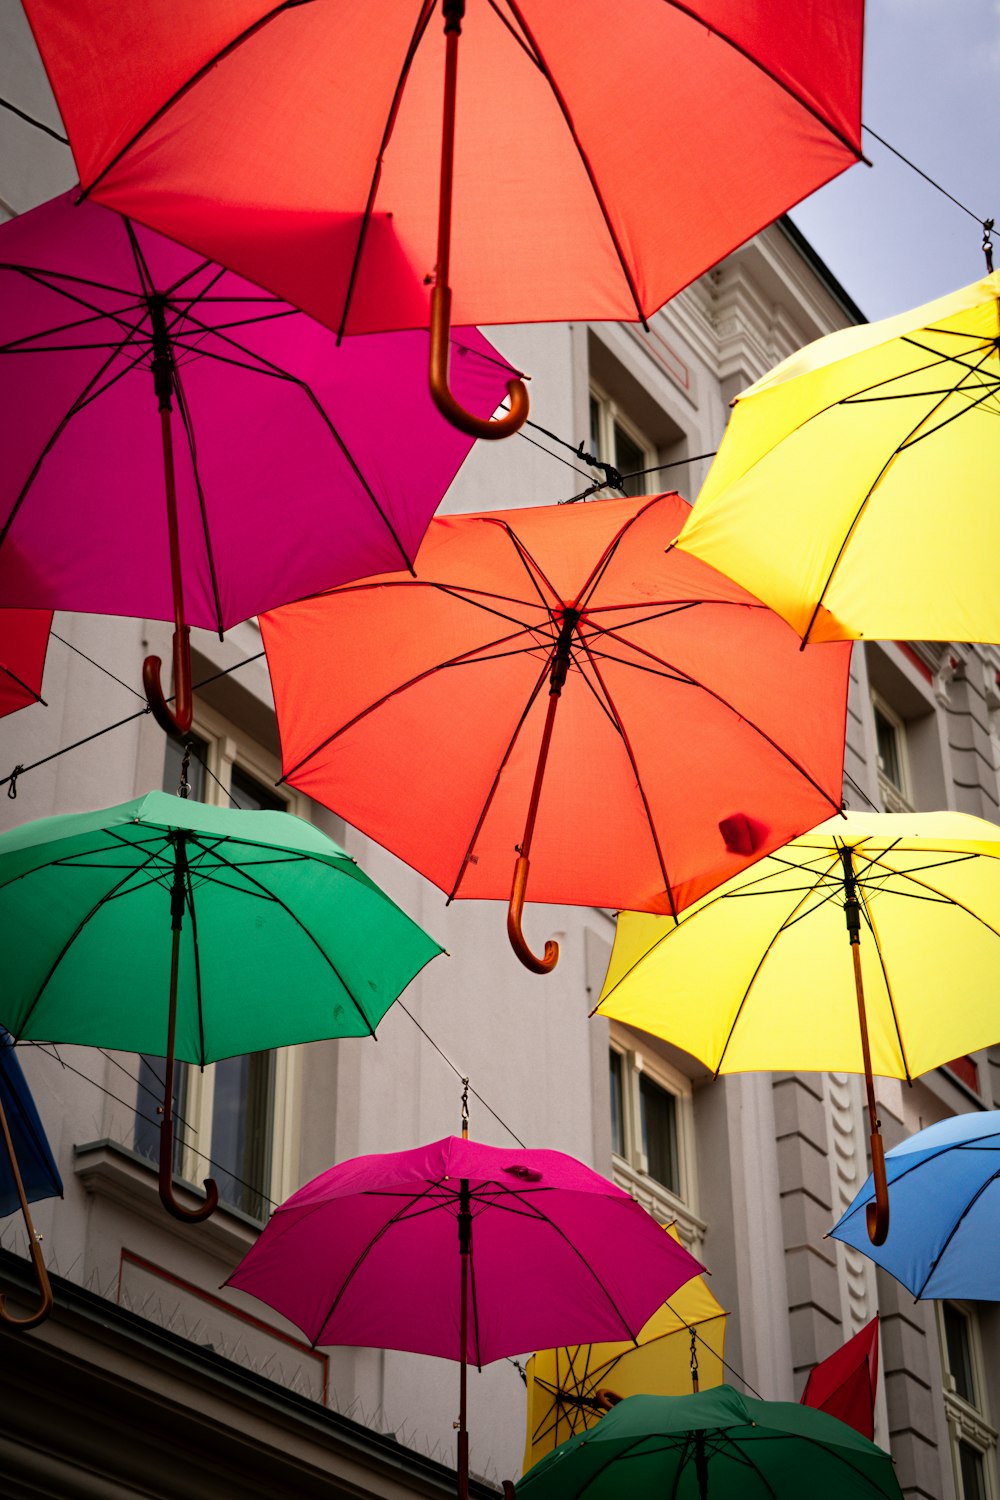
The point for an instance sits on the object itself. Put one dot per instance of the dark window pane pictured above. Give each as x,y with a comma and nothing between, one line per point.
889,750
173,757
254,795
617,1105
956,1330
242,1116
147,1119
659,1133
595,427
973,1477
629,458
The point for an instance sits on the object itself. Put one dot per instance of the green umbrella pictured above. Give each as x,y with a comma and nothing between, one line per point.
711,1446
167,926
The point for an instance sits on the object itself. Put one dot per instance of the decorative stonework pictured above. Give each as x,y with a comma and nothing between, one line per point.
662,1205
849,1169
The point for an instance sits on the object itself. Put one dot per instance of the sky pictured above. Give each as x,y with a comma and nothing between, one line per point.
932,90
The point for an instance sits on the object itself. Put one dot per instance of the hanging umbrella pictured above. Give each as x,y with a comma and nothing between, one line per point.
853,491
954,1166
603,157
677,728
28,1173
179,444
844,1384
678,1350
24,640
239,931
463,1251
712,1446
765,974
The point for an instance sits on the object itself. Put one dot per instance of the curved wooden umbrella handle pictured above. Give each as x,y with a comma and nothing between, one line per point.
515,911
176,721
444,400
41,1312
605,1399
166,1183
877,1213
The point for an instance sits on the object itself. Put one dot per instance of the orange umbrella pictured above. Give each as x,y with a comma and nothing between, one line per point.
598,157
558,686
24,640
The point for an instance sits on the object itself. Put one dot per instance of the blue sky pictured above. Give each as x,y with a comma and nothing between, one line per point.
932,89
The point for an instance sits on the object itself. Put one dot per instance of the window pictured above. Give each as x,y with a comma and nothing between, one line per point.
615,440
232,1117
973,1439
652,1138
893,768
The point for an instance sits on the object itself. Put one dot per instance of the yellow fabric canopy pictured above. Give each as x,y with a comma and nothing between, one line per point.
759,975
563,1384
855,488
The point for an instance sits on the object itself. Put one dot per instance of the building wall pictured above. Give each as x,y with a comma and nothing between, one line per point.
769,1162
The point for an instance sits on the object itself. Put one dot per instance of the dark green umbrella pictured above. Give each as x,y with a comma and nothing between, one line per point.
712,1446
167,926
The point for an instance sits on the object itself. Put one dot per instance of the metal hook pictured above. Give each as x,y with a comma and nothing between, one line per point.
465,1109
988,244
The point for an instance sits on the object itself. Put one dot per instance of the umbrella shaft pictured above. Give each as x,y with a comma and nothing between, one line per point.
454,10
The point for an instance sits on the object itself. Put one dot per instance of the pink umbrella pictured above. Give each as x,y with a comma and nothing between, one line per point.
24,640
298,465
396,1251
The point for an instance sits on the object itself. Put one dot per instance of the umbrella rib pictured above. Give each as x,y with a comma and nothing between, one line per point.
832,1451
178,94
604,561
266,366
41,278
423,19
16,346
809,891
915,1166
661,861
955,1228
187,424
394,692
744,718
908,875
302,927
724,1443
83,922
533,569
487,804
585,160
906,442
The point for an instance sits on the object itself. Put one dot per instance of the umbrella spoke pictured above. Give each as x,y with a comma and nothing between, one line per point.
582,603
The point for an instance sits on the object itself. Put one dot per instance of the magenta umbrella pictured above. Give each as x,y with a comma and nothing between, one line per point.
179,444
465,1251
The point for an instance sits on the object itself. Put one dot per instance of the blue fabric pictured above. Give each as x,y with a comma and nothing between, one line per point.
39,1172
944,1210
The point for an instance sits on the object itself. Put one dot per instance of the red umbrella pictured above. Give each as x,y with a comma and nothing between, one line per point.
559,685
844,1384
603,155
24,640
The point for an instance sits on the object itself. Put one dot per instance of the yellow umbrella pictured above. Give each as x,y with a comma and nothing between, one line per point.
758,975
855,488
679,1349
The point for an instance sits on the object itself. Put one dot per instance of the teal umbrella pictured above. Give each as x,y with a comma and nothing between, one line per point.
712,1446
170,927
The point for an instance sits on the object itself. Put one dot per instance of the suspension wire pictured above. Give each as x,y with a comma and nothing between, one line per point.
861,791
675,463
927,178
190,750
38,124
10,781
460,1075
106,670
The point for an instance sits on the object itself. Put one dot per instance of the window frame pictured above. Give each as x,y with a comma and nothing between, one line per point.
969,1422
897,797
610,413
227,746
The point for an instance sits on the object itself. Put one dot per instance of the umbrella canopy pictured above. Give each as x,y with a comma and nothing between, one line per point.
691,736
24,640
711,1446
27,1170
844,1384
546,1250
298,143
853,488
954,1166
679,1349
240,931
288,464
759,974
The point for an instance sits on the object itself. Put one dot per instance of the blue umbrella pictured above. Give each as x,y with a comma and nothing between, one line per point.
29,1172
944,1186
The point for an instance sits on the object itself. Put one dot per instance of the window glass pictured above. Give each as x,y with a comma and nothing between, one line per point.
973,1474
617,1104
958,1339
629,459
249,793
242,1119
659,1132
890,758
173,758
